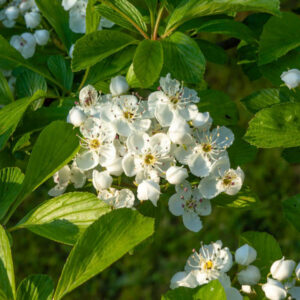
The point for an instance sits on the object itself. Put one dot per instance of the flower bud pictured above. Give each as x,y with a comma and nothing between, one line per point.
246,289
32,19
68,4
282,269
249,276
25,6
76,116
291,78
274,290
42,36
245,255
12,13
148,190
297,271
118,86
101,180
176,175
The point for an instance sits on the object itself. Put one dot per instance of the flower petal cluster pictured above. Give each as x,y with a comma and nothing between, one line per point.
143,144
291,78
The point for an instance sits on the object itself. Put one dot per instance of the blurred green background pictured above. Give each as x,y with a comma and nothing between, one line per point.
146,273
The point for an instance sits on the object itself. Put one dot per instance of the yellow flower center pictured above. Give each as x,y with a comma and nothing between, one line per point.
95,144
206,147
208,265
149,159
174,100
128,115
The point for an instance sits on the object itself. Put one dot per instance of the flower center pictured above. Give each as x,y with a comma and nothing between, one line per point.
95,144
208,265
149,159
174,99
206,148
227,180
128,115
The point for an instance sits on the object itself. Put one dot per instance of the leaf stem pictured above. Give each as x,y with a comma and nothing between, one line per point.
140,30
84,79
158,19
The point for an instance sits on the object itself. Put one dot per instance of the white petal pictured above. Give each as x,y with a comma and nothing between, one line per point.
175,205
68,4
208,187
148,190
192,221
101,180
186,279
164,114
125,199
295,292
115,168
64,175
224,136
176,175
129,165
137,141
199,165
57,190
204,207
183,154
107,154
233,294
122,127
77,177
141,124
160,142
87,160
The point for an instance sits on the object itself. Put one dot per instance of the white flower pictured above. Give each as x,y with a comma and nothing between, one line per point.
291,78
147,155
297,271
26,5
250,275
246,289
42,36
24,43
101,180
282,269
64,176
12,13
185,279
32,19
245,255
189,203
104,23
176,175
148,190
117,199
77,16
222,179
76,116
180,132
99,144
118,85
68,4
126,115
274,290
172,101
210,263
89,100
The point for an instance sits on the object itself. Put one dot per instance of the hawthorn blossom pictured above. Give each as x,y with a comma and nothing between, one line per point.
24,43
245,255
42,36
282,269
117,198
291,78
190,204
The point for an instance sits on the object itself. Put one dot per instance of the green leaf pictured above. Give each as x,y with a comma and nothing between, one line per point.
212,290
291,210
61,70
64,218
36,287
22,142
5,92
152,4
212,52
132,79
10,55
7,277
126,11
228,27
292,155
92,18
244,199
221,108
11,114
96,46
55,147
261,99
10,184
55,14
103,242
190,9
279,37
276,126
240,152
28,83
148,62
267,249
183,58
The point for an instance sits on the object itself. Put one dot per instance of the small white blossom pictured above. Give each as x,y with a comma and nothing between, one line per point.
117,198
245,255
176,175
118,86
24,43
101,180
77,16
291,78
282,269
12,12
148,190
76,116
190,204
32,19
250,275
42,36
274,290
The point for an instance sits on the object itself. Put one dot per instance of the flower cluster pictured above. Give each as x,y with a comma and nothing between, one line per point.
155,142
213,262
77,15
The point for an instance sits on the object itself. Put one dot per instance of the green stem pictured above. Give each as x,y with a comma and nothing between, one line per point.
140,30
158,19
84,79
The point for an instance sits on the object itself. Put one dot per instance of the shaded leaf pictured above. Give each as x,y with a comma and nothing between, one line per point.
292,155
212,52
92,18
291,209
5,92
